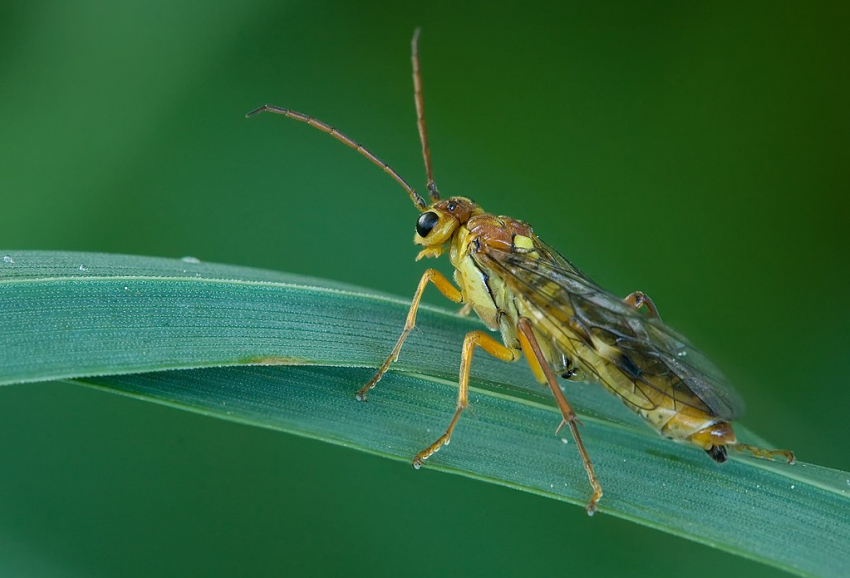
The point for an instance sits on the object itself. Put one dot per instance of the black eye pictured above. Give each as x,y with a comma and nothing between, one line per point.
452,206
426,222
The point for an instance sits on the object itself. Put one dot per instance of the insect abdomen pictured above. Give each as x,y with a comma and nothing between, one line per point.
662,399
714,439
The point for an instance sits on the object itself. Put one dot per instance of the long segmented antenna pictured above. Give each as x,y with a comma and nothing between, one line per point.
420,116
315,123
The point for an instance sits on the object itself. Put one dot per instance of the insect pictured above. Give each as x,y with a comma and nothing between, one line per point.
560,320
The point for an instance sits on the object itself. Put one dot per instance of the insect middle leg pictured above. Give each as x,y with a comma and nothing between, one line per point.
638,299
537,357
472,340
446,288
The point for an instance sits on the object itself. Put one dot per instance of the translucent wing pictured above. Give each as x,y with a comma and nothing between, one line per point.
570,307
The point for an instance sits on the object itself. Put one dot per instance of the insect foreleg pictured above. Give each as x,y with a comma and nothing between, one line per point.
446,288
639,299
472,340
527,338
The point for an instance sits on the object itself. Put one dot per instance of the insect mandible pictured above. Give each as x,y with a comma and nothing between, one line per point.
560,320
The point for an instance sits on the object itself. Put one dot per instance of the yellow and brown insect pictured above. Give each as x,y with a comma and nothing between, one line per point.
563,322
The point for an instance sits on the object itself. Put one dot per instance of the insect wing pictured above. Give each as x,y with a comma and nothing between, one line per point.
649,352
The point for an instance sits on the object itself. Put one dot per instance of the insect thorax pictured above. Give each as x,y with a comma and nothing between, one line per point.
486,291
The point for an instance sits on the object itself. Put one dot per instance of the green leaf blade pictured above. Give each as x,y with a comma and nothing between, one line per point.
757,512
118,322
131,314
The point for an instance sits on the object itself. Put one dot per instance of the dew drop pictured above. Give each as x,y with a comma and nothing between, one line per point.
83,268
189,259
8,259
565,441
792,486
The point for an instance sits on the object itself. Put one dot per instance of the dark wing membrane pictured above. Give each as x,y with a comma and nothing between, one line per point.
648,352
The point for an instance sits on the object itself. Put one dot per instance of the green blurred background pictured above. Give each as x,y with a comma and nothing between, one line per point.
696,152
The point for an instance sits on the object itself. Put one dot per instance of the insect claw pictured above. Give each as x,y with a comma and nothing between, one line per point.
361,393
592,505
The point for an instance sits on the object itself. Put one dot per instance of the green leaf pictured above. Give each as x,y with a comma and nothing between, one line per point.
125,323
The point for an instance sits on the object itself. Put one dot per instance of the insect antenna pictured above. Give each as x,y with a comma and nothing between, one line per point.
420,116
315,123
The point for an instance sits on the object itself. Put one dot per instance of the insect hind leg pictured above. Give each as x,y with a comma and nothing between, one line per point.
764,454
537,358
640,299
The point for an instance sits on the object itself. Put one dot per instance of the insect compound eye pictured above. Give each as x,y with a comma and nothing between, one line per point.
452,206
426,223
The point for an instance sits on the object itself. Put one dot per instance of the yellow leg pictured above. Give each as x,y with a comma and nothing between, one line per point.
766,454
446,288
473,339
639,299
529,341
